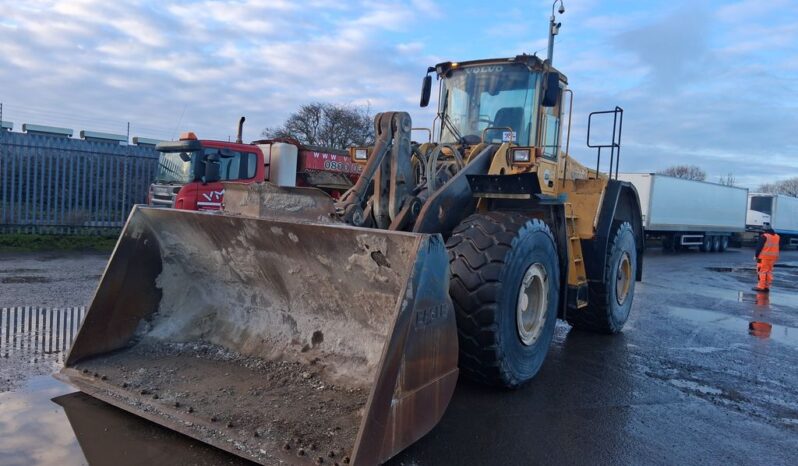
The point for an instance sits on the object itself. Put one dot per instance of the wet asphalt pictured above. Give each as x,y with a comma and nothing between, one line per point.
685,383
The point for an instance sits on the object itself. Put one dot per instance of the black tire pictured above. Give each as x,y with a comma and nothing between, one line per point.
724,243
489,255
668,244
706,244
716,244
606,313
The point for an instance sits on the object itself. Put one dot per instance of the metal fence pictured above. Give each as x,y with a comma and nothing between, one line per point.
38,332
63,185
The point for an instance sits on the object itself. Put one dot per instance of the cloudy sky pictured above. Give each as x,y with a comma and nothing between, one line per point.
710,83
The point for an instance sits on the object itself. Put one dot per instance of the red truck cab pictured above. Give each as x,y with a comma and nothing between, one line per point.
192,172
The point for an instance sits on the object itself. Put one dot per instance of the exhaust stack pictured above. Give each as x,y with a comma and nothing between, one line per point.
239,139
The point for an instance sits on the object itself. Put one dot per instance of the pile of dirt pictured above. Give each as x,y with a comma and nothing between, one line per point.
268,410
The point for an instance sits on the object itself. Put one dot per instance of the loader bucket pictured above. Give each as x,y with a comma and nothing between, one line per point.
273,340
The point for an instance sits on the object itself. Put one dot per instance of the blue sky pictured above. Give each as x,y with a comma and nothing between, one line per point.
711,83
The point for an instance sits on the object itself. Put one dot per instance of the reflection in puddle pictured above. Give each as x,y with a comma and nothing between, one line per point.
37,422
760,329
779,333
695,386
33,430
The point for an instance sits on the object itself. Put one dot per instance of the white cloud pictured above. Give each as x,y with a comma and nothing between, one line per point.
695,79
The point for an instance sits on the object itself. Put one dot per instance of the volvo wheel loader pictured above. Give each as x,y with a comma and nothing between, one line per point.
295,328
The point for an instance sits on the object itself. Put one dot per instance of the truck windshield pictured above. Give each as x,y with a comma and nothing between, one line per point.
172,168
489,96
184,167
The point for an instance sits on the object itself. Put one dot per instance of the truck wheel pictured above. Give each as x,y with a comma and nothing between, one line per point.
724,243
505,280
715,243
610,302
706,244
668,243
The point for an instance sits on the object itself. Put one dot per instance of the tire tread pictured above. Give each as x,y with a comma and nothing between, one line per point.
477,252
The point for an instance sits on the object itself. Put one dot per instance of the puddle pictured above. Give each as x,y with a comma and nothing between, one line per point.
47,423
27,332
26,279
779,333
33,430
18,270
695,386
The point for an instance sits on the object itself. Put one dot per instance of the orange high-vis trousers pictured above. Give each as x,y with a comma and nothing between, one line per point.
764,269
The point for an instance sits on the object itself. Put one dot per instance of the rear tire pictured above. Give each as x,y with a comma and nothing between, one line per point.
610,302
499,260
716,244
706,244
724,243
668,243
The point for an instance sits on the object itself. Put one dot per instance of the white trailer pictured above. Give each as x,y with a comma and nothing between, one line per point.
780,211
684,213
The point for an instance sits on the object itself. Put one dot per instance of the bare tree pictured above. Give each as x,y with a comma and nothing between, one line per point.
787,187
689,172
328,125
728,180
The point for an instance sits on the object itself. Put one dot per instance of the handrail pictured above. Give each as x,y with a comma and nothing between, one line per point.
495,127
429,139
614,145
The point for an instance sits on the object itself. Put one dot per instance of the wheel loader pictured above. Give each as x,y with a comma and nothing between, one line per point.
300,329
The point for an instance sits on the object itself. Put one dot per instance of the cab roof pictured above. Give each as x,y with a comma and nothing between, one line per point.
533,62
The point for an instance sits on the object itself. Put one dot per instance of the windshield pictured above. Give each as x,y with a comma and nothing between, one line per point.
172,168
490,96
181,167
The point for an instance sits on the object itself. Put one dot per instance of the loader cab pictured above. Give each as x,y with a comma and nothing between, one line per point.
513,100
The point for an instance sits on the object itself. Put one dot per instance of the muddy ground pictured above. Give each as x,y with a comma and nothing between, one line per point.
684,383
53,279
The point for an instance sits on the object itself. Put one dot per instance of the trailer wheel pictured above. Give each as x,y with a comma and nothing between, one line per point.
724,243
610,302
505,281
715,243
706,244
668,243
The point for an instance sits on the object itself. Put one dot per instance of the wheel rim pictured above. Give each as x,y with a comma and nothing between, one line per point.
624,278
533,302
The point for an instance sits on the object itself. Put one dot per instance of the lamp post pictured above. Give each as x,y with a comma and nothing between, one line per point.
554,28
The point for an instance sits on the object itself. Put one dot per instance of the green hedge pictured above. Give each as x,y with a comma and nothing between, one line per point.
30,243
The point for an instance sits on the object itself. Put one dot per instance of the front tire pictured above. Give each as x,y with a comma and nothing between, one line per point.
610,302
505,281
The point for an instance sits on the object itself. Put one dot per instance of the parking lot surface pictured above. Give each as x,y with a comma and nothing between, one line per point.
686,382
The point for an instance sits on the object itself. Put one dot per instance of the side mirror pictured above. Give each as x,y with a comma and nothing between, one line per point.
211,169
426,90
551,89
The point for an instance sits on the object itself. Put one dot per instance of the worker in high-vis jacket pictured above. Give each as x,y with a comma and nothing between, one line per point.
767,253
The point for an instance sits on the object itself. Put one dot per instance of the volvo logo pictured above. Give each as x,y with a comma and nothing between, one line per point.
485,69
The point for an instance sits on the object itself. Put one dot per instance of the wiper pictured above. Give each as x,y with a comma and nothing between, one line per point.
445,118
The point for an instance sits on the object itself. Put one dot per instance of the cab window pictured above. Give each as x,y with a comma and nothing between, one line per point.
234,165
